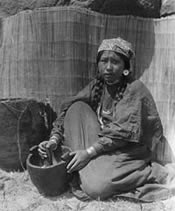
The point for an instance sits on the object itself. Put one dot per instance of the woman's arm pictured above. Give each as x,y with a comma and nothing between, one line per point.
105,144
153,130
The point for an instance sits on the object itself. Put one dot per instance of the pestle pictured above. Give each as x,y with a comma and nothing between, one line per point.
50,160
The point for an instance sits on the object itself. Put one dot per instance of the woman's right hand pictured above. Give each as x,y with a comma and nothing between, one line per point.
43,146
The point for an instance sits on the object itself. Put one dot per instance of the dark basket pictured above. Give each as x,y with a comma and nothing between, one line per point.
23,124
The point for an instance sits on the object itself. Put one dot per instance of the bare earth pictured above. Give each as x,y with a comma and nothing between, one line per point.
17,193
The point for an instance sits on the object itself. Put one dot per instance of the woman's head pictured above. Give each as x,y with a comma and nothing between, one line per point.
113,59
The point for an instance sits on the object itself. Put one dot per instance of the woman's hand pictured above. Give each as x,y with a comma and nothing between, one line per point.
80,160
51,144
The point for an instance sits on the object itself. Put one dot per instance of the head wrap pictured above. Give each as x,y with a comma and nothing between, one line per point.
117,45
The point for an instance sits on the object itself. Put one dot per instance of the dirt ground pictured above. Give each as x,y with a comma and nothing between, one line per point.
17,193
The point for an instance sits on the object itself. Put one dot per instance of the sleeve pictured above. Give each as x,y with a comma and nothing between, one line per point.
153,130
84,95
105,144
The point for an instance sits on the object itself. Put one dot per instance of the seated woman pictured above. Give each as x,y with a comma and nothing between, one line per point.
112,126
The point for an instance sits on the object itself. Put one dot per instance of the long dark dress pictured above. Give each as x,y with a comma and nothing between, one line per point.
124,139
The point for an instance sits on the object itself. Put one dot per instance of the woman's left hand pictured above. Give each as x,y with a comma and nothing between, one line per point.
80,160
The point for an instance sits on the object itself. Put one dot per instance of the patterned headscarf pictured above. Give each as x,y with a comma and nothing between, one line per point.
117,45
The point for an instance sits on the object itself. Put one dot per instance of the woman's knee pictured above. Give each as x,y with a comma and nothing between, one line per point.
78,108
81,110
75,111
79,105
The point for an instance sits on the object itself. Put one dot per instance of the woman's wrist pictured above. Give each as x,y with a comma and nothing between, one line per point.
54,140
91,152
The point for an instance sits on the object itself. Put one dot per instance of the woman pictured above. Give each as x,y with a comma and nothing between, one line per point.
112,126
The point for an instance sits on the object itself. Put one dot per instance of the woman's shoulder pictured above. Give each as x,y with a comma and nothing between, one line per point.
137,87
137,84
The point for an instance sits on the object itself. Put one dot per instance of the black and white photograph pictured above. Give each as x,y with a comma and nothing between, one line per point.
87,105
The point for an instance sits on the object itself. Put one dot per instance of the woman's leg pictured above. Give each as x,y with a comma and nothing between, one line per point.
81,129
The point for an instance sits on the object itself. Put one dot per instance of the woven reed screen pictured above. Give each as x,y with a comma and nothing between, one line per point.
50,53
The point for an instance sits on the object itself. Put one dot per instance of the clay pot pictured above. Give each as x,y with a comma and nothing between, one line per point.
50,180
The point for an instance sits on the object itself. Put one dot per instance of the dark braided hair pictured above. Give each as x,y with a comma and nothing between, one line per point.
97,91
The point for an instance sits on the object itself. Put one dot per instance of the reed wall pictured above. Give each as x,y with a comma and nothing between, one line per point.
50,54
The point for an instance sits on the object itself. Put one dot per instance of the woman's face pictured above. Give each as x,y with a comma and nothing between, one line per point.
111,67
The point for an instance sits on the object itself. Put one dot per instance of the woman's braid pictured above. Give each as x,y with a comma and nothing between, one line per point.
97,92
